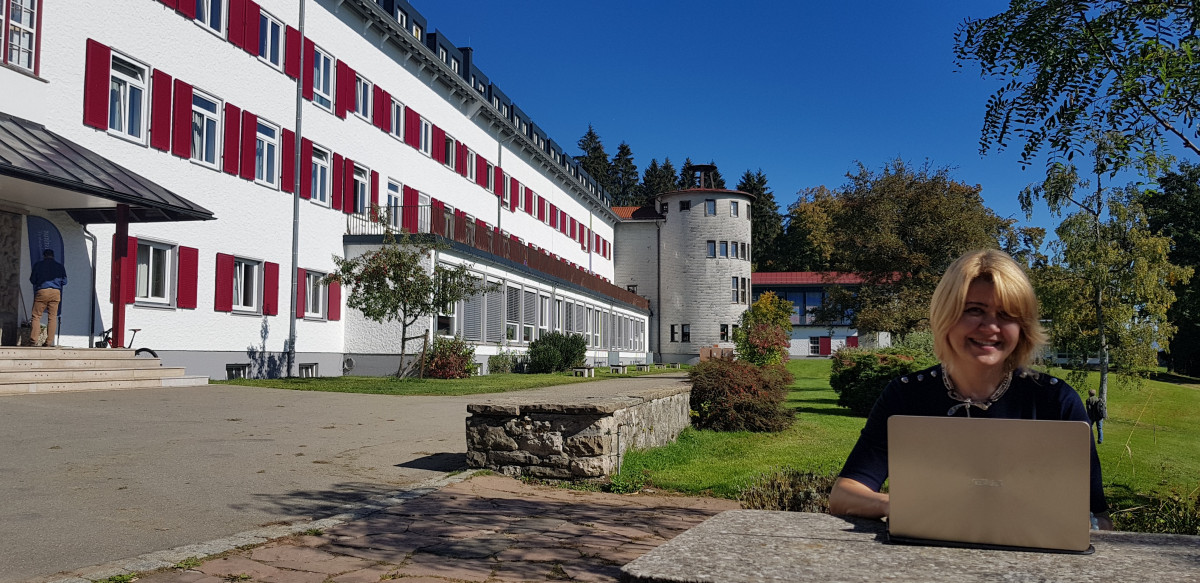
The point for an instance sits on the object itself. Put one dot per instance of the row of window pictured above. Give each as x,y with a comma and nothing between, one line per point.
710,207
741,286
520,314
19,42
727,249
165,274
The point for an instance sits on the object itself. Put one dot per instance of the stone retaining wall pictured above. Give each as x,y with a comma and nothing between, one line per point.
575,438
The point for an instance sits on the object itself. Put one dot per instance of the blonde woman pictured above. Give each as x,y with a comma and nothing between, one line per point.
984,318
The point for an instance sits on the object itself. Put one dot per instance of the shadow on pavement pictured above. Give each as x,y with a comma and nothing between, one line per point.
438,462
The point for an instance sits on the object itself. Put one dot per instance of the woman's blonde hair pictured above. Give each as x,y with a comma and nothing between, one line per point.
1014,294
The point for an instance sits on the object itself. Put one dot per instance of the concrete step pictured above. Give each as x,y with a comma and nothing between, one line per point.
72,375
44,363
20,388
39,352
194,380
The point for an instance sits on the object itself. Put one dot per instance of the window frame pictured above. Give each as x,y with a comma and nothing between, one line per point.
506,191
240,265
170,258
267,23
361,180
204,16
397,129
215,117
685,205
426,137
362,97
673,333
733,208
450,152
32,29
710,207
312,283
733,250
395,203
470,165
735,290
266,155
323,78
710,249
320,196
685,333
129,83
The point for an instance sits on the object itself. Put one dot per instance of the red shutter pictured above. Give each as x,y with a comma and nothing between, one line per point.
169,3
304,173
336,171
541,208
481,171
291,52
384,106
437,222
571,234
128,274
250,39
826,346
348,195
409,219
232,138
374,194
553,215
95,85
335,301
438,151
310,51
301,291
270,301
181,134
344,89
187,8
461,159
160,110
288,167
237,22
514,194
852,341
378,109
529,201
412,127
249,145
498,181
189,268
223,295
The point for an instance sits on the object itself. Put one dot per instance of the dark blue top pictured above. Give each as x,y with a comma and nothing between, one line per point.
48,273
1031,395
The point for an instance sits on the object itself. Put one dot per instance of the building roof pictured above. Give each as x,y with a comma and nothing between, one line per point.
636,213
804,278
40,169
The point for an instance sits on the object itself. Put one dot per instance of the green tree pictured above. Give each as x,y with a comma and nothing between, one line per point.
717,179
624,178
395,284
657,179
687,175
1072,67
762,337
805,243
1108,287
766,225
899,229
1174,211
594,159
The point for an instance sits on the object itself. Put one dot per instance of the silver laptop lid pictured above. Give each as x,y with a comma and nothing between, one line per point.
1011,482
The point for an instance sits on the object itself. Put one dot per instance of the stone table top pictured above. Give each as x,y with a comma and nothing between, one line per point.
599,397
758,545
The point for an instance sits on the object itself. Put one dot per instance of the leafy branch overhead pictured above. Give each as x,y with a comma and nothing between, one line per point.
1074,67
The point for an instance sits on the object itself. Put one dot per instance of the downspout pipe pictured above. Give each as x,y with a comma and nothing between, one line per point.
94,300
291,341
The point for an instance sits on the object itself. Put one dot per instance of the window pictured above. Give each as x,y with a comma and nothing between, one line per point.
558,315
314,296
814,345
211,14
417,32
426,136
270,40
490,177
443,55
153,272
361,189
245,285
266,154
735,290
454,66
322,79
205,137
724,249
745,255
710,207
733,249
685,334
530,314
631,289
673,335
127,99
733,208
402,18
685,205
397,120
512,311
362,97
470,165
664,208
449,151
724,332
392,213
711,250
743,298
543,315
22,33
320,176
506,192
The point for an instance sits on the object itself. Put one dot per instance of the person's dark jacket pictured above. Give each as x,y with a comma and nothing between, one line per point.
48,273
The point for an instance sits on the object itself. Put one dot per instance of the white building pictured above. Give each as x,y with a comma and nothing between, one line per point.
160,138
807,291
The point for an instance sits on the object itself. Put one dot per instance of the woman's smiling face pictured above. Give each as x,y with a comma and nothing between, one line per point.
985,335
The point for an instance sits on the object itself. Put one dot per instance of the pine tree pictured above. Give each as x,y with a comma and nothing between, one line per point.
687,175
718,180
594,159
765,223
624,178
656,180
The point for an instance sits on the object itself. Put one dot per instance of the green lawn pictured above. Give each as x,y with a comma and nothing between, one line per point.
496,383
1150,442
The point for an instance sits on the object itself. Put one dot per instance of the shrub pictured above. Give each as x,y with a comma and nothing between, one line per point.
919,342
1171,513
735,395
501,363
763,336
790,490
859,374
450,358
555,352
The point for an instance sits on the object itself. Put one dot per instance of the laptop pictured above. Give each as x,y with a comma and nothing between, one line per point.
1013,484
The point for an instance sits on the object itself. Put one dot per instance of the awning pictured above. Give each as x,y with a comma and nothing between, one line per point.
42,170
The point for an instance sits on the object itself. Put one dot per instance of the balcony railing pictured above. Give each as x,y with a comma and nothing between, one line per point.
476,233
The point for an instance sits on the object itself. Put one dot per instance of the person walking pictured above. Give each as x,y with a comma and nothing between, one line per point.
1096,412
48,278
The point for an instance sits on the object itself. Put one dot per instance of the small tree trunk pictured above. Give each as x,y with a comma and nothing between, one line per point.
424,351
1101,325
403,346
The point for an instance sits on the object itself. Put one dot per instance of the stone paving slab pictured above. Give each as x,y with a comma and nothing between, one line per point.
489,529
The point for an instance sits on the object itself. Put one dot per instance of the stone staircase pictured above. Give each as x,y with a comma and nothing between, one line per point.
25,369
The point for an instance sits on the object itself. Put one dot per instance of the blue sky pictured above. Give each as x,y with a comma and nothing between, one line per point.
801,90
